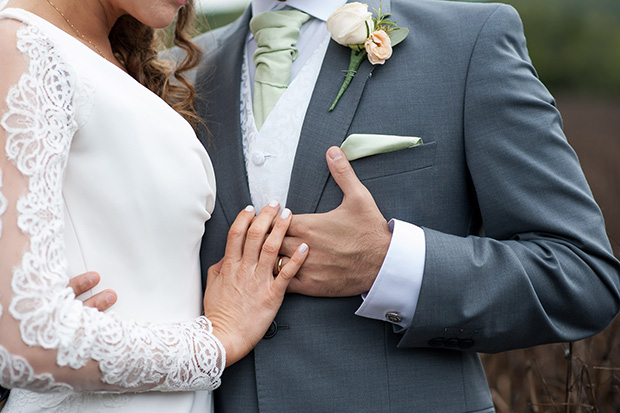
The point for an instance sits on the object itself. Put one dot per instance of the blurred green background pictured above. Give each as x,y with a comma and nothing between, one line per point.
574,44
575,48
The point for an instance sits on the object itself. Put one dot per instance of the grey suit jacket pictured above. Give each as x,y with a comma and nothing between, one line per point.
516,250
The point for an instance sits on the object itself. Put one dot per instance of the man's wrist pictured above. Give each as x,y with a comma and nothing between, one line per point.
394,295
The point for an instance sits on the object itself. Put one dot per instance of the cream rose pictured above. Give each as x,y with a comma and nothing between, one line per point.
350,24
379,47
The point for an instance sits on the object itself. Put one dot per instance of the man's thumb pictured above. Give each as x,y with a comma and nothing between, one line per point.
342,172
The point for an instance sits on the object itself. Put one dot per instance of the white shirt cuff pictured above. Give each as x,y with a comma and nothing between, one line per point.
394,295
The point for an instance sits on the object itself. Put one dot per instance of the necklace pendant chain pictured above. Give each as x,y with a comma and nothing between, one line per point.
75,29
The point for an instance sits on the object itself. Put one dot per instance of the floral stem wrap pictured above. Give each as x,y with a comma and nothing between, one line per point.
357,57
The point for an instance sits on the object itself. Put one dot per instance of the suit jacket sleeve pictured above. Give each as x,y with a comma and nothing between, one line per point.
543,271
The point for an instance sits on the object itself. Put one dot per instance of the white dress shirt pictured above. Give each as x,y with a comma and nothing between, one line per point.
394,294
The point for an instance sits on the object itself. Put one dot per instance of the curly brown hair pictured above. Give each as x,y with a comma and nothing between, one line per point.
137,46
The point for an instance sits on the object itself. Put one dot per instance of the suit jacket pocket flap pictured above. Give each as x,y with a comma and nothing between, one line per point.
398,162
359,145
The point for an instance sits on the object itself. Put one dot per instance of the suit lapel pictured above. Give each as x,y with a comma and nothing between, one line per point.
323,129
221,84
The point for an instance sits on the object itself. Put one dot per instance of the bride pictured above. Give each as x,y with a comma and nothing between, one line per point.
100,169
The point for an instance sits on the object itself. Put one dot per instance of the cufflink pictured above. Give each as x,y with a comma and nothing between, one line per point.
393,317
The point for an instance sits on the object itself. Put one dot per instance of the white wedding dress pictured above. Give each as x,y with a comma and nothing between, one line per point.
98,173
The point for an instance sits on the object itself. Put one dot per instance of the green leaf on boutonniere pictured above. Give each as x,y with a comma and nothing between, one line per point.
398,34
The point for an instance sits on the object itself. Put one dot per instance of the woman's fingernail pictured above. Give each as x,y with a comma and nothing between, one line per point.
303,248
274,203
285,214
249,208
335,153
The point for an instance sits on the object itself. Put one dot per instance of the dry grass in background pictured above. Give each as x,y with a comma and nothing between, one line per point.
579,377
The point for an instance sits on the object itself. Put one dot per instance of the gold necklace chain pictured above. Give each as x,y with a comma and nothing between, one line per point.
75,29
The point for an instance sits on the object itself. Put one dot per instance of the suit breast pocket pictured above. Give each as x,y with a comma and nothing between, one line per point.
391,178
394,163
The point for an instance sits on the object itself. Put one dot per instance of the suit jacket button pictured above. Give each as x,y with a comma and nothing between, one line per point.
393,317
466,343
271,331
451,342
436,342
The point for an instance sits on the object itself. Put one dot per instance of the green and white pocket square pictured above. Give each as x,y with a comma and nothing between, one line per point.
359,145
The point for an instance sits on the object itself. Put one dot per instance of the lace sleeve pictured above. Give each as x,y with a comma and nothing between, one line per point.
49,340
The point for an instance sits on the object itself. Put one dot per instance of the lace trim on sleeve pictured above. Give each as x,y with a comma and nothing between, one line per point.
40,124
16,369
3,206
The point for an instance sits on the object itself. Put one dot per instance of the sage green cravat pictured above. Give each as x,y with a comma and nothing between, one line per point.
276,33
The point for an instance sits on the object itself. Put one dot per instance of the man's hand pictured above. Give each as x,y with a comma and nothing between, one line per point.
86,282
80,284
347,245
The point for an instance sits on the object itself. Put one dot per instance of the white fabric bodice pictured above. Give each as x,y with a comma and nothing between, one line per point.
123,187
270,152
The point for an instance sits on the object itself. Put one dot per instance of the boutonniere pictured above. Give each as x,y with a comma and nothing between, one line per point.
352,25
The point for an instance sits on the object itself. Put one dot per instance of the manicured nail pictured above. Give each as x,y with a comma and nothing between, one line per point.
335,153
274,203
249,208
285,214
303,248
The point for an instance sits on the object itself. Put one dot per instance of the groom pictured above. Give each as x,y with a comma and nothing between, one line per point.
494,241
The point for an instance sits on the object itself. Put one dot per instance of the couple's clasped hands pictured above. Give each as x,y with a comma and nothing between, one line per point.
341,252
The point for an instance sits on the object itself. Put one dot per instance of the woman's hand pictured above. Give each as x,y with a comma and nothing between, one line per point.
242,295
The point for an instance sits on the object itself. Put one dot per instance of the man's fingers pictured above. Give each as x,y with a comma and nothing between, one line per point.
294,286
237,233
290,245
84,282
343,173
102,301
